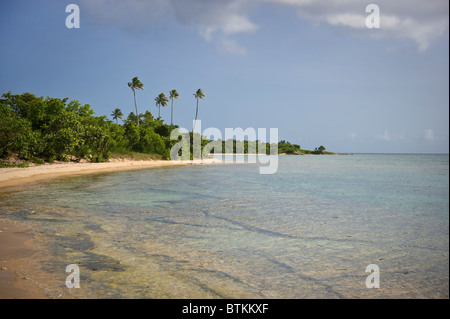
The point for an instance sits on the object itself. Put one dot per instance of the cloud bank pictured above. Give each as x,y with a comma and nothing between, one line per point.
417,20
219,21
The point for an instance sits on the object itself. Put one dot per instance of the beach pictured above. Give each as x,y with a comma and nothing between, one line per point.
17,246
11,178
19,249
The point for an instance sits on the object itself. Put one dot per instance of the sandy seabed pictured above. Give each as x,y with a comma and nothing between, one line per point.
18,245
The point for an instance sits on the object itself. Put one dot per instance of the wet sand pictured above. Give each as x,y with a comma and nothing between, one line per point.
12,178
17,247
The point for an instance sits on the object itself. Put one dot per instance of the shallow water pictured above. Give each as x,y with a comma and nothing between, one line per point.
224,231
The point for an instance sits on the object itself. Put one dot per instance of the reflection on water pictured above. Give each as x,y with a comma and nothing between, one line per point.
224,231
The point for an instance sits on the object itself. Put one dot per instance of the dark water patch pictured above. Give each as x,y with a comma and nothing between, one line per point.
207,279
76,242
172,222
165,259
283,266
205,287
221,275
94,227
99,262
253,228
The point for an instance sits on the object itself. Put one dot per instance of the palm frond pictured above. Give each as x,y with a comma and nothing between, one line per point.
199,94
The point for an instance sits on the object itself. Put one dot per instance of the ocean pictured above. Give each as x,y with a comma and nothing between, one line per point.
224,231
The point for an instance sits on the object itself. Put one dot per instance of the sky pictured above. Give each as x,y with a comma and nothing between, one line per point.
313,69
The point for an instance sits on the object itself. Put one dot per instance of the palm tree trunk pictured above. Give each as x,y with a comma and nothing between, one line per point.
195,122
171,114
159,111
135,105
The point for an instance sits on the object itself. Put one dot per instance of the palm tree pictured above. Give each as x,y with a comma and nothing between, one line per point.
198,95
173,94
135,84
117,114
161,99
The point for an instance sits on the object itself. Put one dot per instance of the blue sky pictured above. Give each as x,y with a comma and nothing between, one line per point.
312,69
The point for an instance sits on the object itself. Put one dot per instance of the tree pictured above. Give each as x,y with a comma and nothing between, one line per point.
198,95
15,133
288,148
173,94
62,134
37,128
117,114
161,99
82,110
319,150
136,84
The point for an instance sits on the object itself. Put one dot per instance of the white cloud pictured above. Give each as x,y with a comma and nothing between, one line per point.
394,137
350,20
385,136
219,21
226,16
236,24
417,20
429,135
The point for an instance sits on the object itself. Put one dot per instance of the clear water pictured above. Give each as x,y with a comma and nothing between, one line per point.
224,231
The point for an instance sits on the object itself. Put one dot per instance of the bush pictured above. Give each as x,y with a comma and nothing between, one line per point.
38,161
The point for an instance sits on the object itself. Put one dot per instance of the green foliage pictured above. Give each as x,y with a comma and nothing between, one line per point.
199,94
288,148
319,150
134,85
130,155
173,94
37,128
246,147
161,100
149,142
117,114
9,165
62,134
16,134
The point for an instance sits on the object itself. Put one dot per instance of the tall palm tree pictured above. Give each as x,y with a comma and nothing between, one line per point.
117,114
198,95
161,99
136,84
173,94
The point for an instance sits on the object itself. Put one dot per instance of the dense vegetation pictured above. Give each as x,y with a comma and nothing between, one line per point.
47,129
288,148
38,128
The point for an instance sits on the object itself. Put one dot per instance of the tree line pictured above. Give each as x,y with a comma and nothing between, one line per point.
42,129
47,129
37,128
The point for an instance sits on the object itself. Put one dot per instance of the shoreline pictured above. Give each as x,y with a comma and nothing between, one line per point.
12,179
18,243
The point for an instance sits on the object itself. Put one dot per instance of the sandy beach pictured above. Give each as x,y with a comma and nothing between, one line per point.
18,245
13,178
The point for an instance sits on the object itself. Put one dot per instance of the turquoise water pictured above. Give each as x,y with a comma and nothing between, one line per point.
224,231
